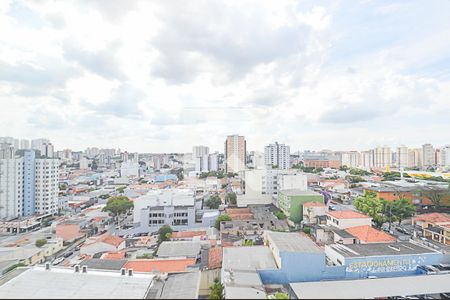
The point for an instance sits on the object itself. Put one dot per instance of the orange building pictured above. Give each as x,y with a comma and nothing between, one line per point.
415,195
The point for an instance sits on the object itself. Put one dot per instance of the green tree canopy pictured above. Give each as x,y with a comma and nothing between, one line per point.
231,198
118,205
371,206
222,218
164,233
214,202
41,242
216,290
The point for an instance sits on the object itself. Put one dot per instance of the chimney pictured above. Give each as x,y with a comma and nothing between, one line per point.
77,268
130,272
47,266
84,269
123,272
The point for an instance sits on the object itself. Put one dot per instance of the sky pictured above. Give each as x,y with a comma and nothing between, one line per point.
162,76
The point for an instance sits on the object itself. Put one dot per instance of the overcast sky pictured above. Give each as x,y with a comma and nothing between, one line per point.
162,76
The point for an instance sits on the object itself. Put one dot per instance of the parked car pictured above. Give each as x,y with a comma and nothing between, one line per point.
58,261
68,254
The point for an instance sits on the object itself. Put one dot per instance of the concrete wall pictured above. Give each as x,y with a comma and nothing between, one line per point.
346,223
207,279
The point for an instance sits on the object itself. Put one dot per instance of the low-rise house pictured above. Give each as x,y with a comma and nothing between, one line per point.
188,235
367,234
312,210
347,218
103,243
160,265
189,249
435,226
69,231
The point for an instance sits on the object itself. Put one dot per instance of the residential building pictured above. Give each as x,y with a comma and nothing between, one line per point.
313,210
344,219
368,159
256,160
291,202
235,154
435,226
321,160
402,157
173,207
428,158
28,185
103,243
277,155
382,157
199,151
351,159
415,158
366,234
445,156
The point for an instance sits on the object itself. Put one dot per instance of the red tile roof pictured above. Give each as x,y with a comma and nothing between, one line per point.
187,234
368,234
215,258
161,265
113,255
111,239
347,214
433,218
311,204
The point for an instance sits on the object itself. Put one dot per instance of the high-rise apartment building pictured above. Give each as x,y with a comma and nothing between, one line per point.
24,144
445,156
383,157
199,151
414,158
402,156
235,153
428,157
351,159
277,155
28,185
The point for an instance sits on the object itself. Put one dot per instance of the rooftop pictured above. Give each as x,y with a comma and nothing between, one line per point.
368,234
63,283
298,192
179,249
215,258
248,258
181,286
373,288
187,234
313,204
113,255
104,264
293,242
167,197
434,218
160,265
347,214
377,249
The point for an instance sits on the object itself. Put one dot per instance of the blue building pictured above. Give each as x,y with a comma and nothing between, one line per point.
299,259
29,182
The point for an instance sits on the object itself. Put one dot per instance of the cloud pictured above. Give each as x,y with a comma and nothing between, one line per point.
102,62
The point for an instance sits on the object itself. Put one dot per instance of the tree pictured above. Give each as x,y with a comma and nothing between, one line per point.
216,290
41,242
118,205
231,198
164,233
402,209
222,218
214,202
279,295
437,196
371,206
120,190
280,215
248,243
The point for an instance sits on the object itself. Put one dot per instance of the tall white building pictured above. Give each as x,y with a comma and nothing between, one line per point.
402,156
24,144
199,151
414,157
277,154
383,157
368,159
11,187
351,159
428,155
445,156
46,186
28,185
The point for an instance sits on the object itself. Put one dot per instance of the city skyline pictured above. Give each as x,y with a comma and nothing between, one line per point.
138,76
